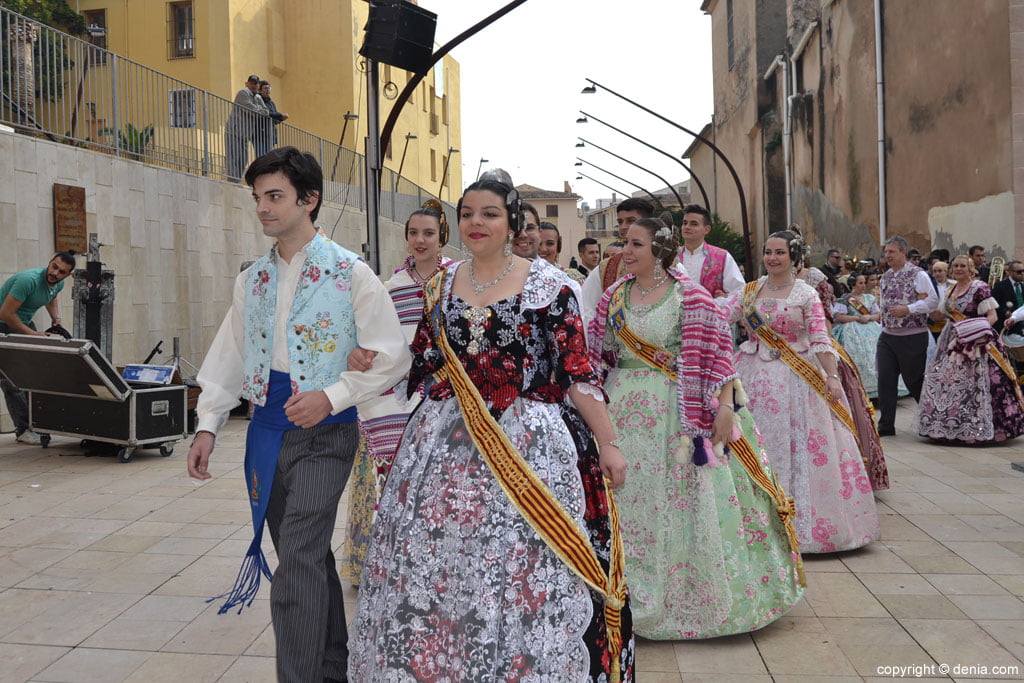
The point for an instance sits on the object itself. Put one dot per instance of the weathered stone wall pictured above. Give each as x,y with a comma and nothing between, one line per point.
174,241
948,114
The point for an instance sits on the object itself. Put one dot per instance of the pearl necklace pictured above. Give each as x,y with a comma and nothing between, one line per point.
644,291
479,288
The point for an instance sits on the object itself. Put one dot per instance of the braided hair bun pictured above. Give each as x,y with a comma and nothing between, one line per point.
664,244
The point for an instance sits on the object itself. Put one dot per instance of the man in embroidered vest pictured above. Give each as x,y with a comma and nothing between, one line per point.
295,315
611,269
907,297
713,267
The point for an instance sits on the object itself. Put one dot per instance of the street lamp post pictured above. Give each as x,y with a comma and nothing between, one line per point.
480,166
657,201
401,164
398,176
679,199
592,88
349,116
581,174
586,119
444,174
415,80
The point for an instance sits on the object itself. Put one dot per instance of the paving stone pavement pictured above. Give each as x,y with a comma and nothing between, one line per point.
105,568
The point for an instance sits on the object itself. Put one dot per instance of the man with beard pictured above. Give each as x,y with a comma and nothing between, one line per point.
22,295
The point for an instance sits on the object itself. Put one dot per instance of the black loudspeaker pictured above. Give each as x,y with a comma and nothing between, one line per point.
400,34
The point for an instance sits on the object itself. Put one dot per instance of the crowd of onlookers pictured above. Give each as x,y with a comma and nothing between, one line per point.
965,374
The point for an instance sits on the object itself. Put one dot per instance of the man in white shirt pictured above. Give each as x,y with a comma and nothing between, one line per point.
711,266
907,297
285,349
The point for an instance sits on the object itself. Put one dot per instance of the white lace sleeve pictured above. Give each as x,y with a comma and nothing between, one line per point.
824,348
987,305
589,390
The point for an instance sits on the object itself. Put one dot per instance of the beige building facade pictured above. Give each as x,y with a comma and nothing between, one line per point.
803,128
309,51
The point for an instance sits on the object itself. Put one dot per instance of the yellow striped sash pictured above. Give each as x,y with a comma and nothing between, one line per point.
652,354
791,358
655,356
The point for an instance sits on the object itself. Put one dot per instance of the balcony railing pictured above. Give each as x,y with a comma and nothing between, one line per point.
70,91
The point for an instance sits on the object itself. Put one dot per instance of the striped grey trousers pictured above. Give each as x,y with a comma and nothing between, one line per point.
305,596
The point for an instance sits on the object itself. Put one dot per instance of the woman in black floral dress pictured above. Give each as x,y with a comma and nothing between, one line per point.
458,585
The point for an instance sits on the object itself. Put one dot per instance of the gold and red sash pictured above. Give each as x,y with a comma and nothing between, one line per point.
797,363
857,305
652,354
528,493
660,359
994,353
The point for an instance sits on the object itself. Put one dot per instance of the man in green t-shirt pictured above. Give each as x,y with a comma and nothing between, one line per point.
21,296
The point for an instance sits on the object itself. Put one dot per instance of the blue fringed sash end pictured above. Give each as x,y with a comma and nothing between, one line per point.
247,583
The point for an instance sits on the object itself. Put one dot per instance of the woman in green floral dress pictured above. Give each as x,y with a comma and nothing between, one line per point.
707,552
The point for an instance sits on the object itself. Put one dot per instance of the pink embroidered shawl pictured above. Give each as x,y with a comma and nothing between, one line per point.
704,364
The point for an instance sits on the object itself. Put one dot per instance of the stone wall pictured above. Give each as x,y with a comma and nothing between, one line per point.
174,241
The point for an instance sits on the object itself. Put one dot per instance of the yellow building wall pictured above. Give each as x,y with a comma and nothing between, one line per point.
308,50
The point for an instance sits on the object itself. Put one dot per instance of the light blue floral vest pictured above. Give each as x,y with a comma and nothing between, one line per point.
321,326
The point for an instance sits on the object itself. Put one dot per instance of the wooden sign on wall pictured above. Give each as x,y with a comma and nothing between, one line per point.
69,231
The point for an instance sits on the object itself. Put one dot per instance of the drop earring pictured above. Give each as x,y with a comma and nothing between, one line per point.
659,272
508,246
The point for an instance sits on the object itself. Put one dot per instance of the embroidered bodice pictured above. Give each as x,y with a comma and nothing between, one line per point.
799,319
657,323
868,300
975,302
530,345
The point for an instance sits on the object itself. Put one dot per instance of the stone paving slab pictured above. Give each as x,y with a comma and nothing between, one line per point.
105,568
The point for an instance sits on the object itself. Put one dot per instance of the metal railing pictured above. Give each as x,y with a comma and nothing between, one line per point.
68,90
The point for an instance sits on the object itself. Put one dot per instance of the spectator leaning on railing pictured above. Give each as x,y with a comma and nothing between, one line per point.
242,126
266,134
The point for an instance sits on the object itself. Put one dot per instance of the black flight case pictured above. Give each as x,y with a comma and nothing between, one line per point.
73,390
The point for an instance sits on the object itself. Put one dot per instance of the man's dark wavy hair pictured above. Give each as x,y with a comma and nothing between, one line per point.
302,170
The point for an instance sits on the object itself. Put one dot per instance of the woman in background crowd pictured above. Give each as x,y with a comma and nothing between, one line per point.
551,248
969,394
383,420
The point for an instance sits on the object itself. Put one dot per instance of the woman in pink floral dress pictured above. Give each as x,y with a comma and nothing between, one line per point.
813,450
